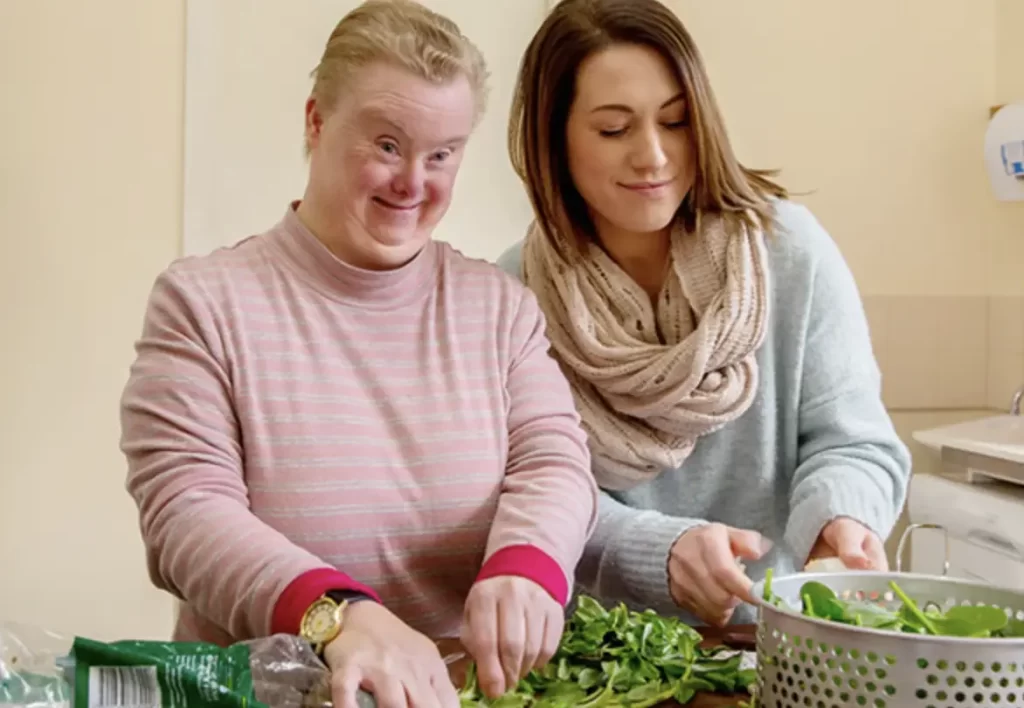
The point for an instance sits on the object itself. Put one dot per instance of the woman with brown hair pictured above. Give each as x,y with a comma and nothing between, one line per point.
711,331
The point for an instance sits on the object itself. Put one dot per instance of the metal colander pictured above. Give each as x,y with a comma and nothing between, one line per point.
804,661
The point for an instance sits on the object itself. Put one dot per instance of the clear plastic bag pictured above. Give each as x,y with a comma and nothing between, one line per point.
32,667
287,673
40,669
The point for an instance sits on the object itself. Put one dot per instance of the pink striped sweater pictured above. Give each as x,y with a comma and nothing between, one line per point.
294,425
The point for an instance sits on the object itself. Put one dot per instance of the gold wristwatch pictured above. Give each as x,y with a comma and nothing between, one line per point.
323,620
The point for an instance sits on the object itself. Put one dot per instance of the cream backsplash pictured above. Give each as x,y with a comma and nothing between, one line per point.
948,353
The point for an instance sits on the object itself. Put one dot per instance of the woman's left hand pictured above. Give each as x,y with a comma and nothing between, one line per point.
511,625
857,546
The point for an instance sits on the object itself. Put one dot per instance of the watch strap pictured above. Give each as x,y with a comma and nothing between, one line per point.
348,596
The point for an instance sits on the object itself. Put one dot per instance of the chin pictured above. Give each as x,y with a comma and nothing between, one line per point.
405,240
641,218
643,225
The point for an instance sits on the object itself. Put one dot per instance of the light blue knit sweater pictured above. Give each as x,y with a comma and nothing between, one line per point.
816,444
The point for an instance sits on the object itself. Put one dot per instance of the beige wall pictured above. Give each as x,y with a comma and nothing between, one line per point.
948,352
90,158
1009,51
868,108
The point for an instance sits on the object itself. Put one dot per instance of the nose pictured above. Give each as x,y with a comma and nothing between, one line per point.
408,182
649,153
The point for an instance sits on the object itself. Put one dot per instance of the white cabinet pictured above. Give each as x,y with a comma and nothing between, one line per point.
985,523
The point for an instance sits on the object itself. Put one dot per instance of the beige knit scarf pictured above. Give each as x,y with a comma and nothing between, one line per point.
648,382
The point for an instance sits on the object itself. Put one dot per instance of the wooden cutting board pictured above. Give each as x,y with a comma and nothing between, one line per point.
736,637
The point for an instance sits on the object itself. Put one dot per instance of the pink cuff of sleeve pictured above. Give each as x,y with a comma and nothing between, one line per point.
304,591
529,562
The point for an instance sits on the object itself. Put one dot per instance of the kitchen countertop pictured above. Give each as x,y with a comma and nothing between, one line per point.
738,637
998,436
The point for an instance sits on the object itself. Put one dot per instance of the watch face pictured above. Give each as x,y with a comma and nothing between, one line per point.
322,621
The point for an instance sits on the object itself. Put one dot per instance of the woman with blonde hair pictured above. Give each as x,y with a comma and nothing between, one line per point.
343,429
713,336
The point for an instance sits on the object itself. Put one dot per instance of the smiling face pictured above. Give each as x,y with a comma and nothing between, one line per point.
630,148
383,162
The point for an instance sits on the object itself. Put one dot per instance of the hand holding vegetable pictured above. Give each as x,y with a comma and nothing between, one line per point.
510,627
378,652
705,576
618,657
851,542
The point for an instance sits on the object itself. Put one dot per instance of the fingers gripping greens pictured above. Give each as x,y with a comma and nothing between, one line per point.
616,658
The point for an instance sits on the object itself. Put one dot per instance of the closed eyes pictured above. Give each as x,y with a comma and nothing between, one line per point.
619,132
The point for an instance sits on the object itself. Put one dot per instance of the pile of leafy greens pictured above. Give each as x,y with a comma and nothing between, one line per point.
612,658
978,621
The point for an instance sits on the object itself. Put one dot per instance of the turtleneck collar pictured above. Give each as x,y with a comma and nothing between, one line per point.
344,282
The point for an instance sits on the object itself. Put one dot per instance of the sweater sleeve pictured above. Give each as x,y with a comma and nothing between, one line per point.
851,461
547,508
183,445
626,559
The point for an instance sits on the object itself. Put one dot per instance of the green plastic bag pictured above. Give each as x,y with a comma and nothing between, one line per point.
144,674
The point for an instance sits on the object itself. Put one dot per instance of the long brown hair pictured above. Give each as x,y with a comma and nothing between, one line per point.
545,90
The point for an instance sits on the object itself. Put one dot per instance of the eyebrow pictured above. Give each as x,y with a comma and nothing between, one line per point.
622,108
378,116
382,117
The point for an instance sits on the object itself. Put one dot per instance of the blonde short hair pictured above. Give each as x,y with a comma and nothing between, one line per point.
405,34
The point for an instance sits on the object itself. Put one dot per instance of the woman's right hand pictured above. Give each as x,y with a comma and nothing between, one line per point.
378,652
705,575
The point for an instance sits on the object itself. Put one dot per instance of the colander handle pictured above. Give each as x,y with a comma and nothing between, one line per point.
906,535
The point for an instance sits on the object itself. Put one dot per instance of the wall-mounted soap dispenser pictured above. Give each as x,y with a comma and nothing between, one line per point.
1004,152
